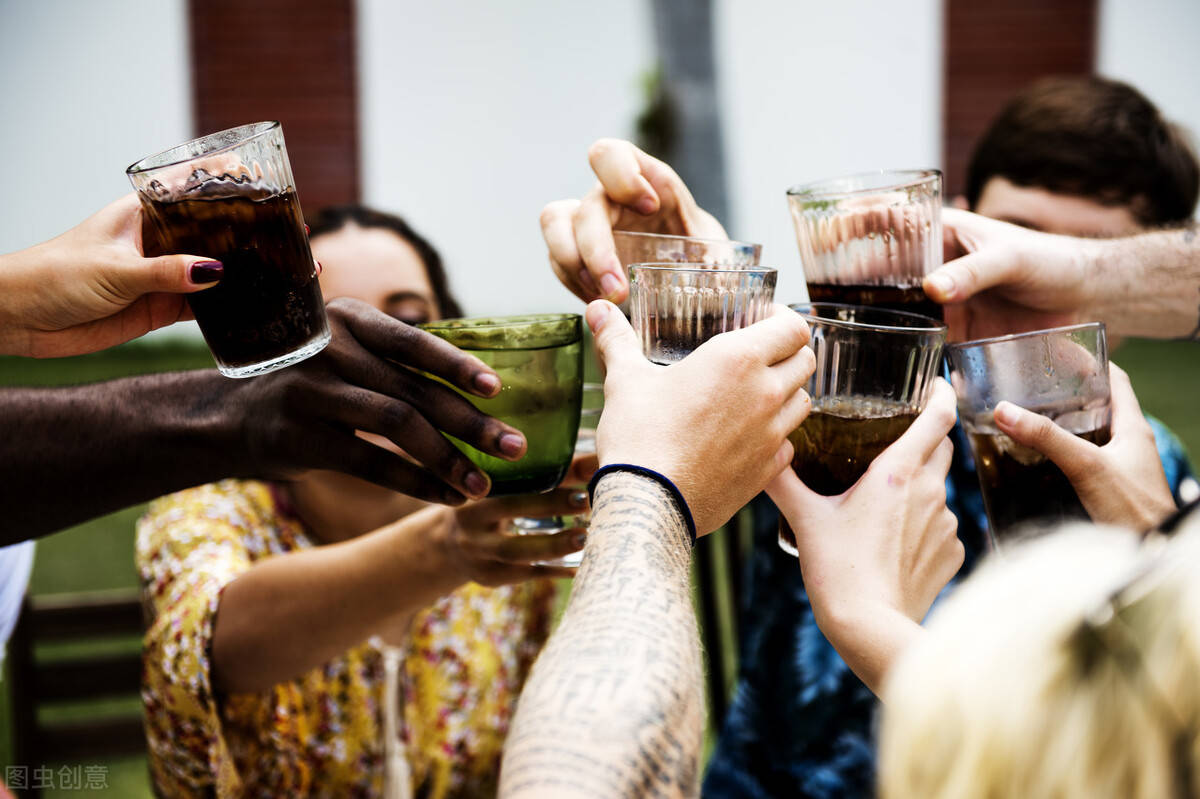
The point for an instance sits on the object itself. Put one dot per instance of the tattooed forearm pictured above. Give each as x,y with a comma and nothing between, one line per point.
614,706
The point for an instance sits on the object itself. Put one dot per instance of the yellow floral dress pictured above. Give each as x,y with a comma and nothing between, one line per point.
321,734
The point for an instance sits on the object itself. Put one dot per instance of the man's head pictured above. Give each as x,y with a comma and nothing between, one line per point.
1084,156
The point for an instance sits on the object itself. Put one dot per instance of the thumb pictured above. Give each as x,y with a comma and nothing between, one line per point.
616,343
1068,451
172,274
794,499
978,261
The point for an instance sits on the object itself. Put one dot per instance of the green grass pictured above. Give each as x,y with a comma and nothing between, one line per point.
99,554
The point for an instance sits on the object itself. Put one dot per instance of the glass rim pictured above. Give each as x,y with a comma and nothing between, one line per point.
676,237
253,129
981,342
934,325
497,322
826,189
697,266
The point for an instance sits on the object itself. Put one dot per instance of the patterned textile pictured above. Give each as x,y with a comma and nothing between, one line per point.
320,734
800,724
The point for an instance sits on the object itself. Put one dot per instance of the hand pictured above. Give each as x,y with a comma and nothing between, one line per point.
481,547
1120,483
1000,278
90,288
305,416
875,558
716,423
635,192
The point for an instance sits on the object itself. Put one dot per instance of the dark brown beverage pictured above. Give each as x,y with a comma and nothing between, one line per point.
268,302
896,298
1021,485
837,443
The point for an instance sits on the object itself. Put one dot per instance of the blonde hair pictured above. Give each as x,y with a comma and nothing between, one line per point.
1005,698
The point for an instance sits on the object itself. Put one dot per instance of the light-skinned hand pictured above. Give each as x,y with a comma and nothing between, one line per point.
715,423
91,288
1121,483
875,557
1001,278
635,191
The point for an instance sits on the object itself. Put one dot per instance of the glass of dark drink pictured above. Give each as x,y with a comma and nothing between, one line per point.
870,239
539,359
585,444
1061,373
875,370
230,196
677,307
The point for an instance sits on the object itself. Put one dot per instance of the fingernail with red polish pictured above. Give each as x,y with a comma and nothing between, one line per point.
476,484
487,383
206,272
306,231
511,444
320,268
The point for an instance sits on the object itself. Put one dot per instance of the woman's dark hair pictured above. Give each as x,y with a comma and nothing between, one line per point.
335,217
1095,138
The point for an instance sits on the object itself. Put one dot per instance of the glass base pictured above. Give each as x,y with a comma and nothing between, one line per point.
295,356
549,526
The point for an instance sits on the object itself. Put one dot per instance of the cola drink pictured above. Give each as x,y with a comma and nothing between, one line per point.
268,302
838,441
1020,485
897,298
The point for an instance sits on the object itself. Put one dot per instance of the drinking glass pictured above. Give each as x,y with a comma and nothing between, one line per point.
676,308
870,239
646,248
539,359
1060,373
585,444
230,196
875,370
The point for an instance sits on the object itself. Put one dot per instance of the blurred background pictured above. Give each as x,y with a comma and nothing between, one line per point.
467,116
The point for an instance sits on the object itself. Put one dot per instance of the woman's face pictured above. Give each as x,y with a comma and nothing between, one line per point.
378,267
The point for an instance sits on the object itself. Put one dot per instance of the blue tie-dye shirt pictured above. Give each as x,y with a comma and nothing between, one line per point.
800,724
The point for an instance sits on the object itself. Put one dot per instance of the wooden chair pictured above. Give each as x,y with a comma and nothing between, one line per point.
94,666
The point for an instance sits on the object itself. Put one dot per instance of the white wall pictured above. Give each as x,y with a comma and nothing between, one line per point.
475,114
88,87
1155,45
813,89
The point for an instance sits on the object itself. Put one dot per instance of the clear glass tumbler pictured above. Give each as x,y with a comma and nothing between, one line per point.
875,370
230,196
870,239
653,248
539,359
1061,373
675,308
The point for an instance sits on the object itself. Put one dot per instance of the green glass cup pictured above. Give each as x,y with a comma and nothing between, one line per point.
539,359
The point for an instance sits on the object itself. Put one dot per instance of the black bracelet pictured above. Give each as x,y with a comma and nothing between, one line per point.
661,479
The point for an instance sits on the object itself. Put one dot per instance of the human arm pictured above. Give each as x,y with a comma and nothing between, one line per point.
1000,277
109,445
634,191
614,705
91,288
339,594
875,557
1120,483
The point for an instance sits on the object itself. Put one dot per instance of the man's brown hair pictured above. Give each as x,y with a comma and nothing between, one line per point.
1095,138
